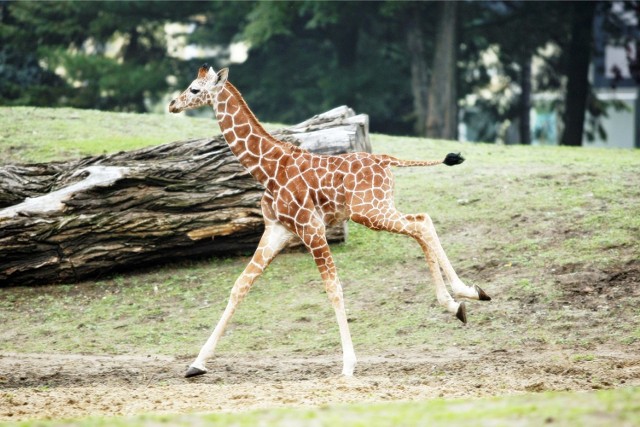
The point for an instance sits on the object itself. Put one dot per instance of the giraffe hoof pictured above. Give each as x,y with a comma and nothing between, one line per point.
194,372
461,314
482,295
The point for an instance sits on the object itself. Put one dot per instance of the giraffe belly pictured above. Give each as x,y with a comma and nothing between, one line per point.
330,205
333,218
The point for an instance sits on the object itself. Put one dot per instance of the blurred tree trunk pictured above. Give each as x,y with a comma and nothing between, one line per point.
525,101
132,55
62,222
579,58
442,120
419,70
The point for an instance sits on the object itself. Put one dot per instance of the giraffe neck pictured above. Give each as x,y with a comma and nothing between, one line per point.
256,149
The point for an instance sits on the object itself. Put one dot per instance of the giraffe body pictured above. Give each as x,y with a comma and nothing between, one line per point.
305,192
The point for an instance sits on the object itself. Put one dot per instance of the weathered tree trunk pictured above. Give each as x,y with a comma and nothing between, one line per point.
61,222
442,115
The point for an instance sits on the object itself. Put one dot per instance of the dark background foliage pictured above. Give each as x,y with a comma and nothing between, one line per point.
306,57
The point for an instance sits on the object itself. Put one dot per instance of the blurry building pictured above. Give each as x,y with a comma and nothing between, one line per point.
616,79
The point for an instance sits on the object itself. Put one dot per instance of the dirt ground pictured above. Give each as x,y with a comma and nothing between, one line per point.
41,386
54,386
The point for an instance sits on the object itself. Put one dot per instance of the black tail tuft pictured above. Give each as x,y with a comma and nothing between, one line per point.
453,159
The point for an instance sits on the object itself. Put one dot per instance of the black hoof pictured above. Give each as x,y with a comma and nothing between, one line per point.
482,296
194,372
461,314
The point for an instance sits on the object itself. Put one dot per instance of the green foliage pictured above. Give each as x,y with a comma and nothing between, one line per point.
515,31
80,36
311,56
23,82
268,20
304,57
106,84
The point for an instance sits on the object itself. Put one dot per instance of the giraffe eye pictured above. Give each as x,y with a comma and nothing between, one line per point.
194,91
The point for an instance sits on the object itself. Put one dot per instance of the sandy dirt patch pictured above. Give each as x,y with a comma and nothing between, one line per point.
55,386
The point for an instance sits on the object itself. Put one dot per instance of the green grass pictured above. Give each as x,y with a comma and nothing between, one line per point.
535,211
620,407
511,219
30,134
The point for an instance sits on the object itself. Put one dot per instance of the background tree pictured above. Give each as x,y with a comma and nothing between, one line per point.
407,64
315,55
442,114
419,68
79,37
578,60
515,33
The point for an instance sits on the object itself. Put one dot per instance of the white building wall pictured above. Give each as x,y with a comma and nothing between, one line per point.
621,126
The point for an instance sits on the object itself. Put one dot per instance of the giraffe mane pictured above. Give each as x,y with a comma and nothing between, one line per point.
254,121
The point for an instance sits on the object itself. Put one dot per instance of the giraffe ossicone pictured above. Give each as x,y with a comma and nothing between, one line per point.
305,192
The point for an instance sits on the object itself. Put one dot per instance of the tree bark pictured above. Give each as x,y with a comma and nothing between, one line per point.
579,57
442,120
62,222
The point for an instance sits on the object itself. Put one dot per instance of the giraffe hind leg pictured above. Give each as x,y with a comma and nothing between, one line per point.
442,295
393,221
460,289
482,296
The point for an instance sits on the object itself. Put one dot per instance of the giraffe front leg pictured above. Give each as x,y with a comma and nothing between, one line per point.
198,366
273,240
334,292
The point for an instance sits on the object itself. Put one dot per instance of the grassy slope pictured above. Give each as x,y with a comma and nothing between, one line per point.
511,219
30,134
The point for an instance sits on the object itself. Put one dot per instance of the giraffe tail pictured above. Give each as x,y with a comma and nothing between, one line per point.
451,159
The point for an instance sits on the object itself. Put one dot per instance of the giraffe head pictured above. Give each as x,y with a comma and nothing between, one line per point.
201,91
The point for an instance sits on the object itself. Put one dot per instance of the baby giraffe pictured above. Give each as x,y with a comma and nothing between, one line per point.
304,193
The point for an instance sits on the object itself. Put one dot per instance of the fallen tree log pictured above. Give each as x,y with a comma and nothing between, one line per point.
65,221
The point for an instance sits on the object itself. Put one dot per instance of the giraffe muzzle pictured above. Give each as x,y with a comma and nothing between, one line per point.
173,108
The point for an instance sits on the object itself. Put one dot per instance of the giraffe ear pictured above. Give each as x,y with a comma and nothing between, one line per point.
202,71
223,74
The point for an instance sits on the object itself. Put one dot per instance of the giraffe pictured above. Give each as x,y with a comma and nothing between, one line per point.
304,193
